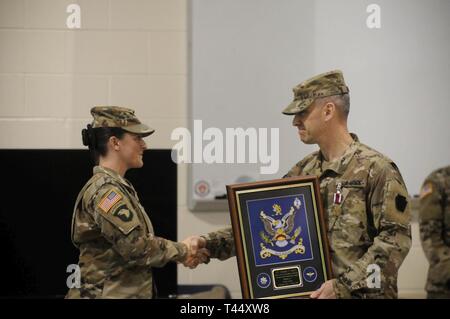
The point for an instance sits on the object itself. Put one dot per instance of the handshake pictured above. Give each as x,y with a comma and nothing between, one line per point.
197,252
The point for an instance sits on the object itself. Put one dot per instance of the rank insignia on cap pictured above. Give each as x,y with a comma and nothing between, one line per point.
426,190
109,200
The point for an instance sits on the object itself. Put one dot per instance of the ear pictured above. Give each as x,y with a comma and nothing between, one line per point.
114,143
329,111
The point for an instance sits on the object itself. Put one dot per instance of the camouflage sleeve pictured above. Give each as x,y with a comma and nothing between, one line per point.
390,213
221,243
294,171
121,227
300,167
431,218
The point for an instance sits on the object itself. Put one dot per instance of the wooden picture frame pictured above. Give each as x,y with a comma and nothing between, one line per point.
280,236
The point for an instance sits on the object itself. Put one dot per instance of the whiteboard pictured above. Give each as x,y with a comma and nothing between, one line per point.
246,56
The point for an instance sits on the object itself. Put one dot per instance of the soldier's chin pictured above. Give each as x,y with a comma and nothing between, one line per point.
138,164
306,139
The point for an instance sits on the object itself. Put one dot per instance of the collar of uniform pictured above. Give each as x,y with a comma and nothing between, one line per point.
339,165
113,174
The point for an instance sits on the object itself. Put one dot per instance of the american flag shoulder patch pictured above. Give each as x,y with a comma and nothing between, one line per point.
109,200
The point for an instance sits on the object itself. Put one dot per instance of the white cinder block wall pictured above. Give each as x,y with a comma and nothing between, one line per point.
127,52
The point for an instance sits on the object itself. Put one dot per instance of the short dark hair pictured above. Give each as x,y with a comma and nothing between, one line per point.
97,139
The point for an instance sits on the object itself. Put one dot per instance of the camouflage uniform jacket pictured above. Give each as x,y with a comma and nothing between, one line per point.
371,225
435,229
116,240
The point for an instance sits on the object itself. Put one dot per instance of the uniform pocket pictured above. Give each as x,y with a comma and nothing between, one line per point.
350,226
347,231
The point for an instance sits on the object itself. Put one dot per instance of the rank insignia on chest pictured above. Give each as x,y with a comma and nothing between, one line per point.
337,197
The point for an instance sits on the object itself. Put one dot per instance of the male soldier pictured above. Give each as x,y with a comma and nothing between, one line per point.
110,227
364,196
435,231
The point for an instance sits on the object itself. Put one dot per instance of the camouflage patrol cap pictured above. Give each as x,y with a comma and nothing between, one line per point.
116,116
322,85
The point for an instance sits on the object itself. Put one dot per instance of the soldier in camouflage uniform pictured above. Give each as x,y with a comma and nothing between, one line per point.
110,227
435,231
365,199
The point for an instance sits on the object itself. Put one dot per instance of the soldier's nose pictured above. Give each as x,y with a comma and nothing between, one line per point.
296,121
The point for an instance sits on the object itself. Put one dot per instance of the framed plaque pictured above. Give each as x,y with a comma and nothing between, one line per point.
280,235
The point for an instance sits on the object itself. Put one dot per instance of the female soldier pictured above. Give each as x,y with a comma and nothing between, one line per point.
115,237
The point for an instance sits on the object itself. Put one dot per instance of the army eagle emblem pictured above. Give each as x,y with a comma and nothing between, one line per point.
280,232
